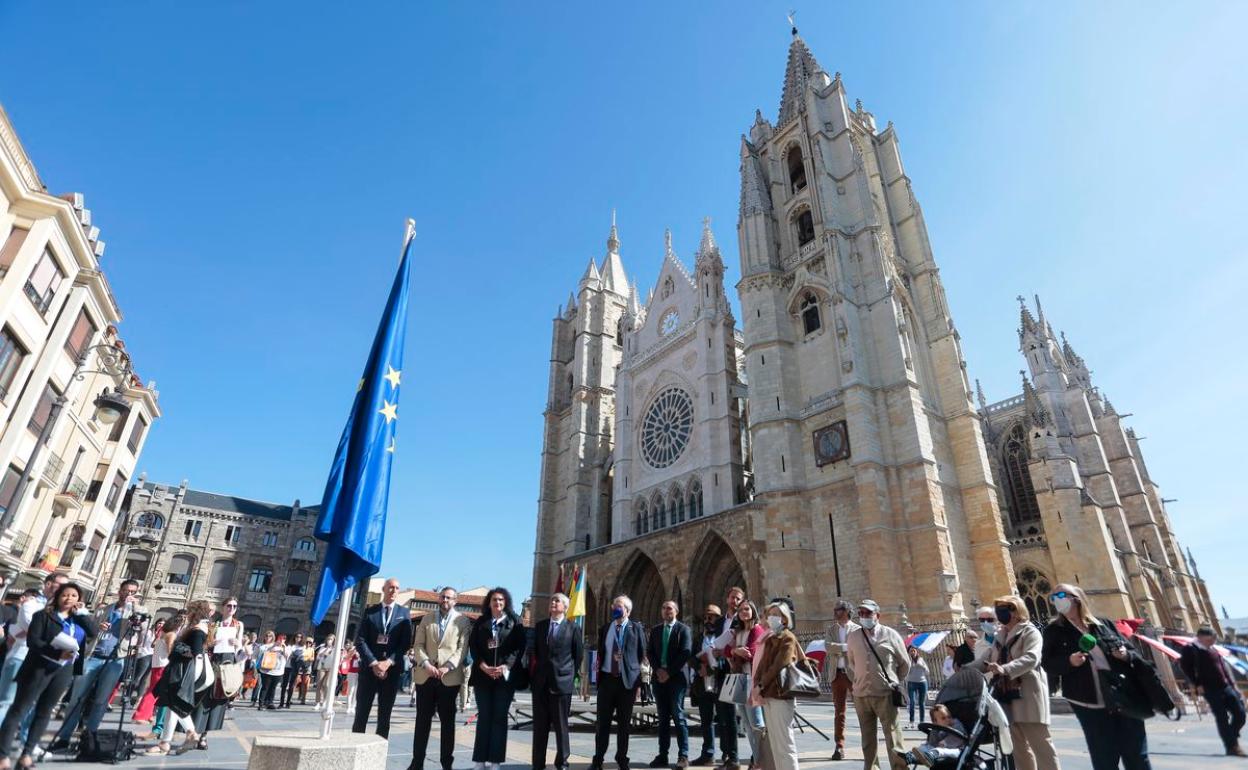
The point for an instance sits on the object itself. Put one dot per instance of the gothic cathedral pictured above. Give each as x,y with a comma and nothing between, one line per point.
829,447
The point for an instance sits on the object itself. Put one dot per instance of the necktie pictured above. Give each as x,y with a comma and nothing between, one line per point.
619,650
667,632
554,629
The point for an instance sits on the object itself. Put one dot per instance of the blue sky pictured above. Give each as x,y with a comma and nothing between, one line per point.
251,164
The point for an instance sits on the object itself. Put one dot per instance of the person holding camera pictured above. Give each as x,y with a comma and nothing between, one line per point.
1020,684
54,639
120,625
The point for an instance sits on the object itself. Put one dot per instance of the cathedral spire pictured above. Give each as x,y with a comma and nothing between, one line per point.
801,69
613,239
667,243
707,247
1034,408
591,277
1027,321
613,277
979,396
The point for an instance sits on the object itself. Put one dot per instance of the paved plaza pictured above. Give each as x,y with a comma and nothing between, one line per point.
1189,743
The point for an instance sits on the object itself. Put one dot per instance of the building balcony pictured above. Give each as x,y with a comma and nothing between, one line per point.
173,589
52,471
215,594
72,495
20,544
144,534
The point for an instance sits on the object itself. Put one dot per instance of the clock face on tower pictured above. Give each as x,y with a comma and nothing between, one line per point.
666,428
832,443
669,322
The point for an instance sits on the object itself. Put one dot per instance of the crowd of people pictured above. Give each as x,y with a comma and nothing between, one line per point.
737,669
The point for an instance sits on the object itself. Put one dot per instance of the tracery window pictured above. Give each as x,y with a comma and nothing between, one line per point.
811,322
1015,455
797,169
1034,589
666,428
805,227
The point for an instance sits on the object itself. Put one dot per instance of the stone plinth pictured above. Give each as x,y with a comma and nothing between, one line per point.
306,751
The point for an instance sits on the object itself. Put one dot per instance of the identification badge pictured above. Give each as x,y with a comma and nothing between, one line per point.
618,656
493,644
383,639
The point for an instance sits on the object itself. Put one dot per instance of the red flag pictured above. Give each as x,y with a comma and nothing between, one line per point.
559,581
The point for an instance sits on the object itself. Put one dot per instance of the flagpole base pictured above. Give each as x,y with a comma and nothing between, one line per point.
308,751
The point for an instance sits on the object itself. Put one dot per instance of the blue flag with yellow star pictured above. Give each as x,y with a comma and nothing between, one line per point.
353,511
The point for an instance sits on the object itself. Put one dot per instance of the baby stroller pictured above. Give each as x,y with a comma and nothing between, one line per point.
984,739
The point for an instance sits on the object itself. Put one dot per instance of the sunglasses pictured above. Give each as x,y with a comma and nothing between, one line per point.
235,606
1060,595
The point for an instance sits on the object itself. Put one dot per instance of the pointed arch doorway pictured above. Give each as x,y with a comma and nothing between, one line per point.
715,569
640,581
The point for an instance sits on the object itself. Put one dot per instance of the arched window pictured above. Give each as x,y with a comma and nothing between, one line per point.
805,227
797,169
1015,455
643,518
180,569
307,545
619,332
222,574
658,514
260,579
695,499
811,322
150,519
1034,589
669,286
137,565
678,508
297,583
252,623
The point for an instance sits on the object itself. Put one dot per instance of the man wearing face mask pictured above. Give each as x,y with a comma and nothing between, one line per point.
982,646
836,641
877,656
621,648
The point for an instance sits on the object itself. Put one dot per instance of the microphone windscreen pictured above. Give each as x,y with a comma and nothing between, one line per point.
1087,643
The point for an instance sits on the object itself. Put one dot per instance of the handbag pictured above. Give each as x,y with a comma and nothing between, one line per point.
736,689
898,695
800,679
229,679
204,676
268,661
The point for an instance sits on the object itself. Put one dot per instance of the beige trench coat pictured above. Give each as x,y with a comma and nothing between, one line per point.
1025,643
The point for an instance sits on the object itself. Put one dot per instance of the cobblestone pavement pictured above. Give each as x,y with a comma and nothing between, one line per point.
1189,743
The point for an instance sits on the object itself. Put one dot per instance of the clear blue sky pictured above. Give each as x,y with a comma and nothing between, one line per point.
250,166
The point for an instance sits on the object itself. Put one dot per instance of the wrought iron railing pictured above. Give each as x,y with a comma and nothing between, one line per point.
52,469
20,544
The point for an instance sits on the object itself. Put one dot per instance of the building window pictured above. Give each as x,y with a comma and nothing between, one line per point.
136,435
797,169
11,356
151,520
233,535
260,580
12,244
805,228
8,486
269,539
811,322
93,553
1034,589
137,564
43,411
222,575
192,529
114,493
97,483
80,336
252,623
297,583
180,568
1015,457
43,282
307,545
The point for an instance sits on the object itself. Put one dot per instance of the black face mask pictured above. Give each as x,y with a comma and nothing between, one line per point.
1004,614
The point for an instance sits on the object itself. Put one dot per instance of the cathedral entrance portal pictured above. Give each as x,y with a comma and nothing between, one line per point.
642,583
713,570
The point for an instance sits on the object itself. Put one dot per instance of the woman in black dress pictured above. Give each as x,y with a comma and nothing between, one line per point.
497,641
54,640
209,715
179,687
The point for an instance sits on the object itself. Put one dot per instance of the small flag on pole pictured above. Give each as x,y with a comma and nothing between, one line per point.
576,596
352,521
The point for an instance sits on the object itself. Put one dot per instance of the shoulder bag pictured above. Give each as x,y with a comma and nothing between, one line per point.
204,675
736,689
898,695
800,679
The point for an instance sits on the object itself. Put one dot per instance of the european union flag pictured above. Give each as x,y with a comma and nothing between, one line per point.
353,510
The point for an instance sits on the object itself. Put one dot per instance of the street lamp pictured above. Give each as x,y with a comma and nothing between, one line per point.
110,406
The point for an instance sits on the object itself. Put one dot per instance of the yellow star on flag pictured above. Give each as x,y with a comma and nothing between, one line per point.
392,375
391,411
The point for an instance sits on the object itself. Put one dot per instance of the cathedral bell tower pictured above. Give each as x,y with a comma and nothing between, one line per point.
866,444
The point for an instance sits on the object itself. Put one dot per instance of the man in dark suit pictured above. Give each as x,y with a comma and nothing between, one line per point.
671,645
1205,668
621,648
558,648
382,641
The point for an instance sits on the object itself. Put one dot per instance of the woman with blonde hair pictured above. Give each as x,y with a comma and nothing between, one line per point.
1112,738
780,648
1021,685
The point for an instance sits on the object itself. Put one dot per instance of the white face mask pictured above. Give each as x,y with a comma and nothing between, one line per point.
1063,604
775,623
989,626
867,623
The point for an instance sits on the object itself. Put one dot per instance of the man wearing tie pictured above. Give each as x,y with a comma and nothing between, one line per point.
383,638
621,647
671,646
558,648
440,643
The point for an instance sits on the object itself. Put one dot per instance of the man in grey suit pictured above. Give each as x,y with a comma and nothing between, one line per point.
557,650
621,648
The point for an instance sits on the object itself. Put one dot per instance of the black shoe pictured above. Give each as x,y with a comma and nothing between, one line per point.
625,765
838,755
59,746
704,760
595,764
660,761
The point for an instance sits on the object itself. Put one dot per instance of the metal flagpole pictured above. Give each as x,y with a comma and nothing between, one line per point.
344,610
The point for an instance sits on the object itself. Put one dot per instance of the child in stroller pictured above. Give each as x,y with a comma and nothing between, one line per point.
969,730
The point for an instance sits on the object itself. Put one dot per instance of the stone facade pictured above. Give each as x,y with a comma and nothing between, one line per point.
863,469
184,545
1078,503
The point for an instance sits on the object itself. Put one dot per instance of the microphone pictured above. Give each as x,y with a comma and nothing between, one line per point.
1087,643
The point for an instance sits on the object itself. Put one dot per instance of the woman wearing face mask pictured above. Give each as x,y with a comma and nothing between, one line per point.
916,683
1112,738
747,635
780,648
1020,684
